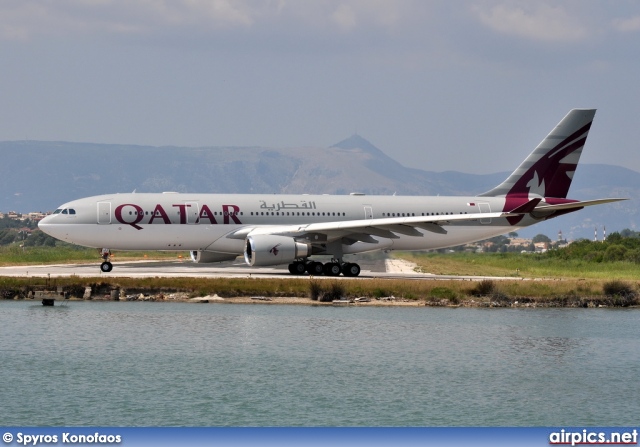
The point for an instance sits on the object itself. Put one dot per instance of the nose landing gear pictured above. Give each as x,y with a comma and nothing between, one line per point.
106,265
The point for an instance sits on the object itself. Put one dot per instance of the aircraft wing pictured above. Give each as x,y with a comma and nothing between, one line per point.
391,227
365,228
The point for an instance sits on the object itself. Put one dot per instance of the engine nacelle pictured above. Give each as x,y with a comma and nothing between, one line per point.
203,257
266,249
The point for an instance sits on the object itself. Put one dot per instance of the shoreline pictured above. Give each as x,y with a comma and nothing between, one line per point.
381,292
476,302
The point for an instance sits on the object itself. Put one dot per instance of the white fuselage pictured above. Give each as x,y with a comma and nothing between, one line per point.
172,221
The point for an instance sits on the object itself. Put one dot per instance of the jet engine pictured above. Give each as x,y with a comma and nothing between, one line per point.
267,249
204,257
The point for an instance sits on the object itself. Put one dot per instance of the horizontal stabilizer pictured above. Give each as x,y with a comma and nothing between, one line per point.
527,207
575,205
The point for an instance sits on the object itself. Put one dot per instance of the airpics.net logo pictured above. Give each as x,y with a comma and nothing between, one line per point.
586,437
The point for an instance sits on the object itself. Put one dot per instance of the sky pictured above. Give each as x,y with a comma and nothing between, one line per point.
467,85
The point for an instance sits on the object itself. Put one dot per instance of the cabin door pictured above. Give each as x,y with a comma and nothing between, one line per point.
104,213
484,208
193,212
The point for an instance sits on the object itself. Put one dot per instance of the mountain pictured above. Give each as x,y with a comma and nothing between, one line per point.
40,175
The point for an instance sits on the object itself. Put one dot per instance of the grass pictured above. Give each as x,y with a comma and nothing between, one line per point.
68,254
518,265
612,283
454,291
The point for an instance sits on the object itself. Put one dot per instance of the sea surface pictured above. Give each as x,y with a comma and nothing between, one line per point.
183,364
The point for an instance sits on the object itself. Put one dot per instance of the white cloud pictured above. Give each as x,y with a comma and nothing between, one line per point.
25,19
21,19
532,20
345,17
627,25
379,13
221,12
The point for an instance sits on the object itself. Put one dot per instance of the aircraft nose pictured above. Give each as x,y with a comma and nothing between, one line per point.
44,220
46,226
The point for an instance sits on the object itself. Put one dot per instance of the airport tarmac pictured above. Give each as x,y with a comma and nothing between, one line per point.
388,269
171,269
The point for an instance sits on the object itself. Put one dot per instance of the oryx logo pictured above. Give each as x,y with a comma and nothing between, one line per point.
536,186
275,250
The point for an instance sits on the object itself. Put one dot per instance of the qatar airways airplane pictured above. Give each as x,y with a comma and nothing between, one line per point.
291,229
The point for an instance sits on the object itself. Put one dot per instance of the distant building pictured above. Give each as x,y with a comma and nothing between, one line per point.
541,247
520,242
36,216
33,216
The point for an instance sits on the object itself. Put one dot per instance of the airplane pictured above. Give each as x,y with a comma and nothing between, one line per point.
273,229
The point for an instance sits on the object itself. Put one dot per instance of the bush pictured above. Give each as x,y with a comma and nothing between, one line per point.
380,293
617,288
8,293
335,292
74,290
500,297
444,293
315,290
483,288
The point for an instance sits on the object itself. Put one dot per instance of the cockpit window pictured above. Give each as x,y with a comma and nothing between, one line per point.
66,211
72,211
58,211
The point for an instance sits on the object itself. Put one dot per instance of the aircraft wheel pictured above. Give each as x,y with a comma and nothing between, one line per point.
315,268
331,269
297,268
106,267
351,270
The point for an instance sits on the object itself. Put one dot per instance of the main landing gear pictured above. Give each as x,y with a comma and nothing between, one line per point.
106,265
333,268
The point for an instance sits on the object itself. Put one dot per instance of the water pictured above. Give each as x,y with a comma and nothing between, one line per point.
179,364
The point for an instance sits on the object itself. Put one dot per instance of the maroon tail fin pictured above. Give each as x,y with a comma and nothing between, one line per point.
548,170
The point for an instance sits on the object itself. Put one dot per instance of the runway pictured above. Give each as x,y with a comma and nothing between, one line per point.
171,269
384,269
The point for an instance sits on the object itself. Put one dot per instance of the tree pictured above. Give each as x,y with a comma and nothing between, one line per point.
615,253
540,238
629,233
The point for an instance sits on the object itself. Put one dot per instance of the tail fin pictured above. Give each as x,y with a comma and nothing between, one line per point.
549,169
